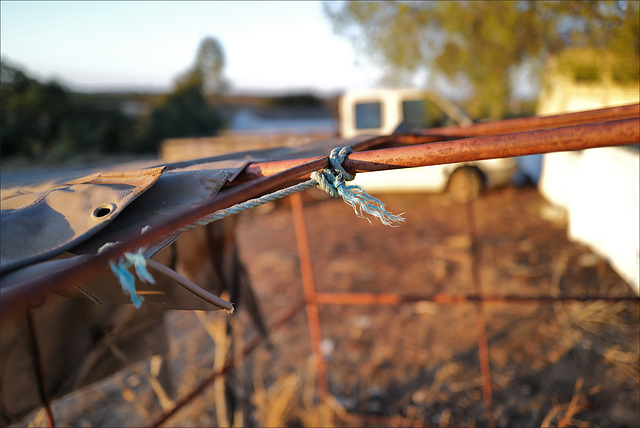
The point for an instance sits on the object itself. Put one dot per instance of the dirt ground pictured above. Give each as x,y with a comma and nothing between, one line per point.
557,364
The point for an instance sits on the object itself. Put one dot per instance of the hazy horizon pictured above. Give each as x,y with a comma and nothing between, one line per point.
271,47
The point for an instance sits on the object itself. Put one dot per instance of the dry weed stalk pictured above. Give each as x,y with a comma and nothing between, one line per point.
625,361
444,418
154,371
238,361
216,328
558,269
570,409
291,399
155,365
276,405
598,312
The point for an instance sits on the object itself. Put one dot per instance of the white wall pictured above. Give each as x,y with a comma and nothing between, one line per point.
598,187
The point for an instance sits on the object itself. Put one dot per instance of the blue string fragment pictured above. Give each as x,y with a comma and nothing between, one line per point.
127,279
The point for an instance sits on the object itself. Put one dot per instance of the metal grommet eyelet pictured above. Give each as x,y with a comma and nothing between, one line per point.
103,211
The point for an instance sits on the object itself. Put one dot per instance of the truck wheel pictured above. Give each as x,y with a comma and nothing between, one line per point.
465,184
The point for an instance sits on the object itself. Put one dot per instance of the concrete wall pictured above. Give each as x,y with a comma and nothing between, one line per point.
597,187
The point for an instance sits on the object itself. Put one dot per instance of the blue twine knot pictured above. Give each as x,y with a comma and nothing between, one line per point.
127,279
332,180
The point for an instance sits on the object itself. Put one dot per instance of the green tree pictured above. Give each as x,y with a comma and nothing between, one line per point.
295,100
45,120
188,111
481,44
97,127
183,113
32,113
207,70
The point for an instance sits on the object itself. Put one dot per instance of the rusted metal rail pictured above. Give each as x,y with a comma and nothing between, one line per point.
507,126
497,127
393,299
577,137
613,133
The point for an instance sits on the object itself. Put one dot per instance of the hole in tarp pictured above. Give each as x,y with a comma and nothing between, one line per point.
103,211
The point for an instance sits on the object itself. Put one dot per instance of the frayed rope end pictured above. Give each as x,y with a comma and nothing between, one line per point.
363,203
332,181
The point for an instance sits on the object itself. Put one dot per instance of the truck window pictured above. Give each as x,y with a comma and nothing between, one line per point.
414,114
423,114
368,115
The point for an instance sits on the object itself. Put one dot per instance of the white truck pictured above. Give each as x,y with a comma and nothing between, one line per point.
383,111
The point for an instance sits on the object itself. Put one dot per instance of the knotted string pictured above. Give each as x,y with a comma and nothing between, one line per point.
331,179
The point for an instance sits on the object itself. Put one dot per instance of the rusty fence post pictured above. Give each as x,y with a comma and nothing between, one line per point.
481,322
308,285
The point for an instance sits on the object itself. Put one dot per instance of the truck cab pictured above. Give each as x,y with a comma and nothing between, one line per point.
385,111
381,111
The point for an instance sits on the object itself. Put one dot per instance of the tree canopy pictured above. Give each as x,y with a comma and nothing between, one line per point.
480,45
46,120
188,111
207,69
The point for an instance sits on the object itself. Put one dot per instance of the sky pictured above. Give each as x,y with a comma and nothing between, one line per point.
269,46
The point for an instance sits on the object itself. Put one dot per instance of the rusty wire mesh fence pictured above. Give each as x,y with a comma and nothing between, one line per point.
487,320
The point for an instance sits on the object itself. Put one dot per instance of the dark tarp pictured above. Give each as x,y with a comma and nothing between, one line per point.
58,224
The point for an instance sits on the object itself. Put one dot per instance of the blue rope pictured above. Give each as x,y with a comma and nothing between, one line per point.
331,180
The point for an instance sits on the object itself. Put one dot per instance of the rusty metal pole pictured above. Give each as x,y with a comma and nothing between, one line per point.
393,299
481,322
426,152
579,137
308,285
505,126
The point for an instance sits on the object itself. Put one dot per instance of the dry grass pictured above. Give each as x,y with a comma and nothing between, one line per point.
423,354
216,328
291,400
625,361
